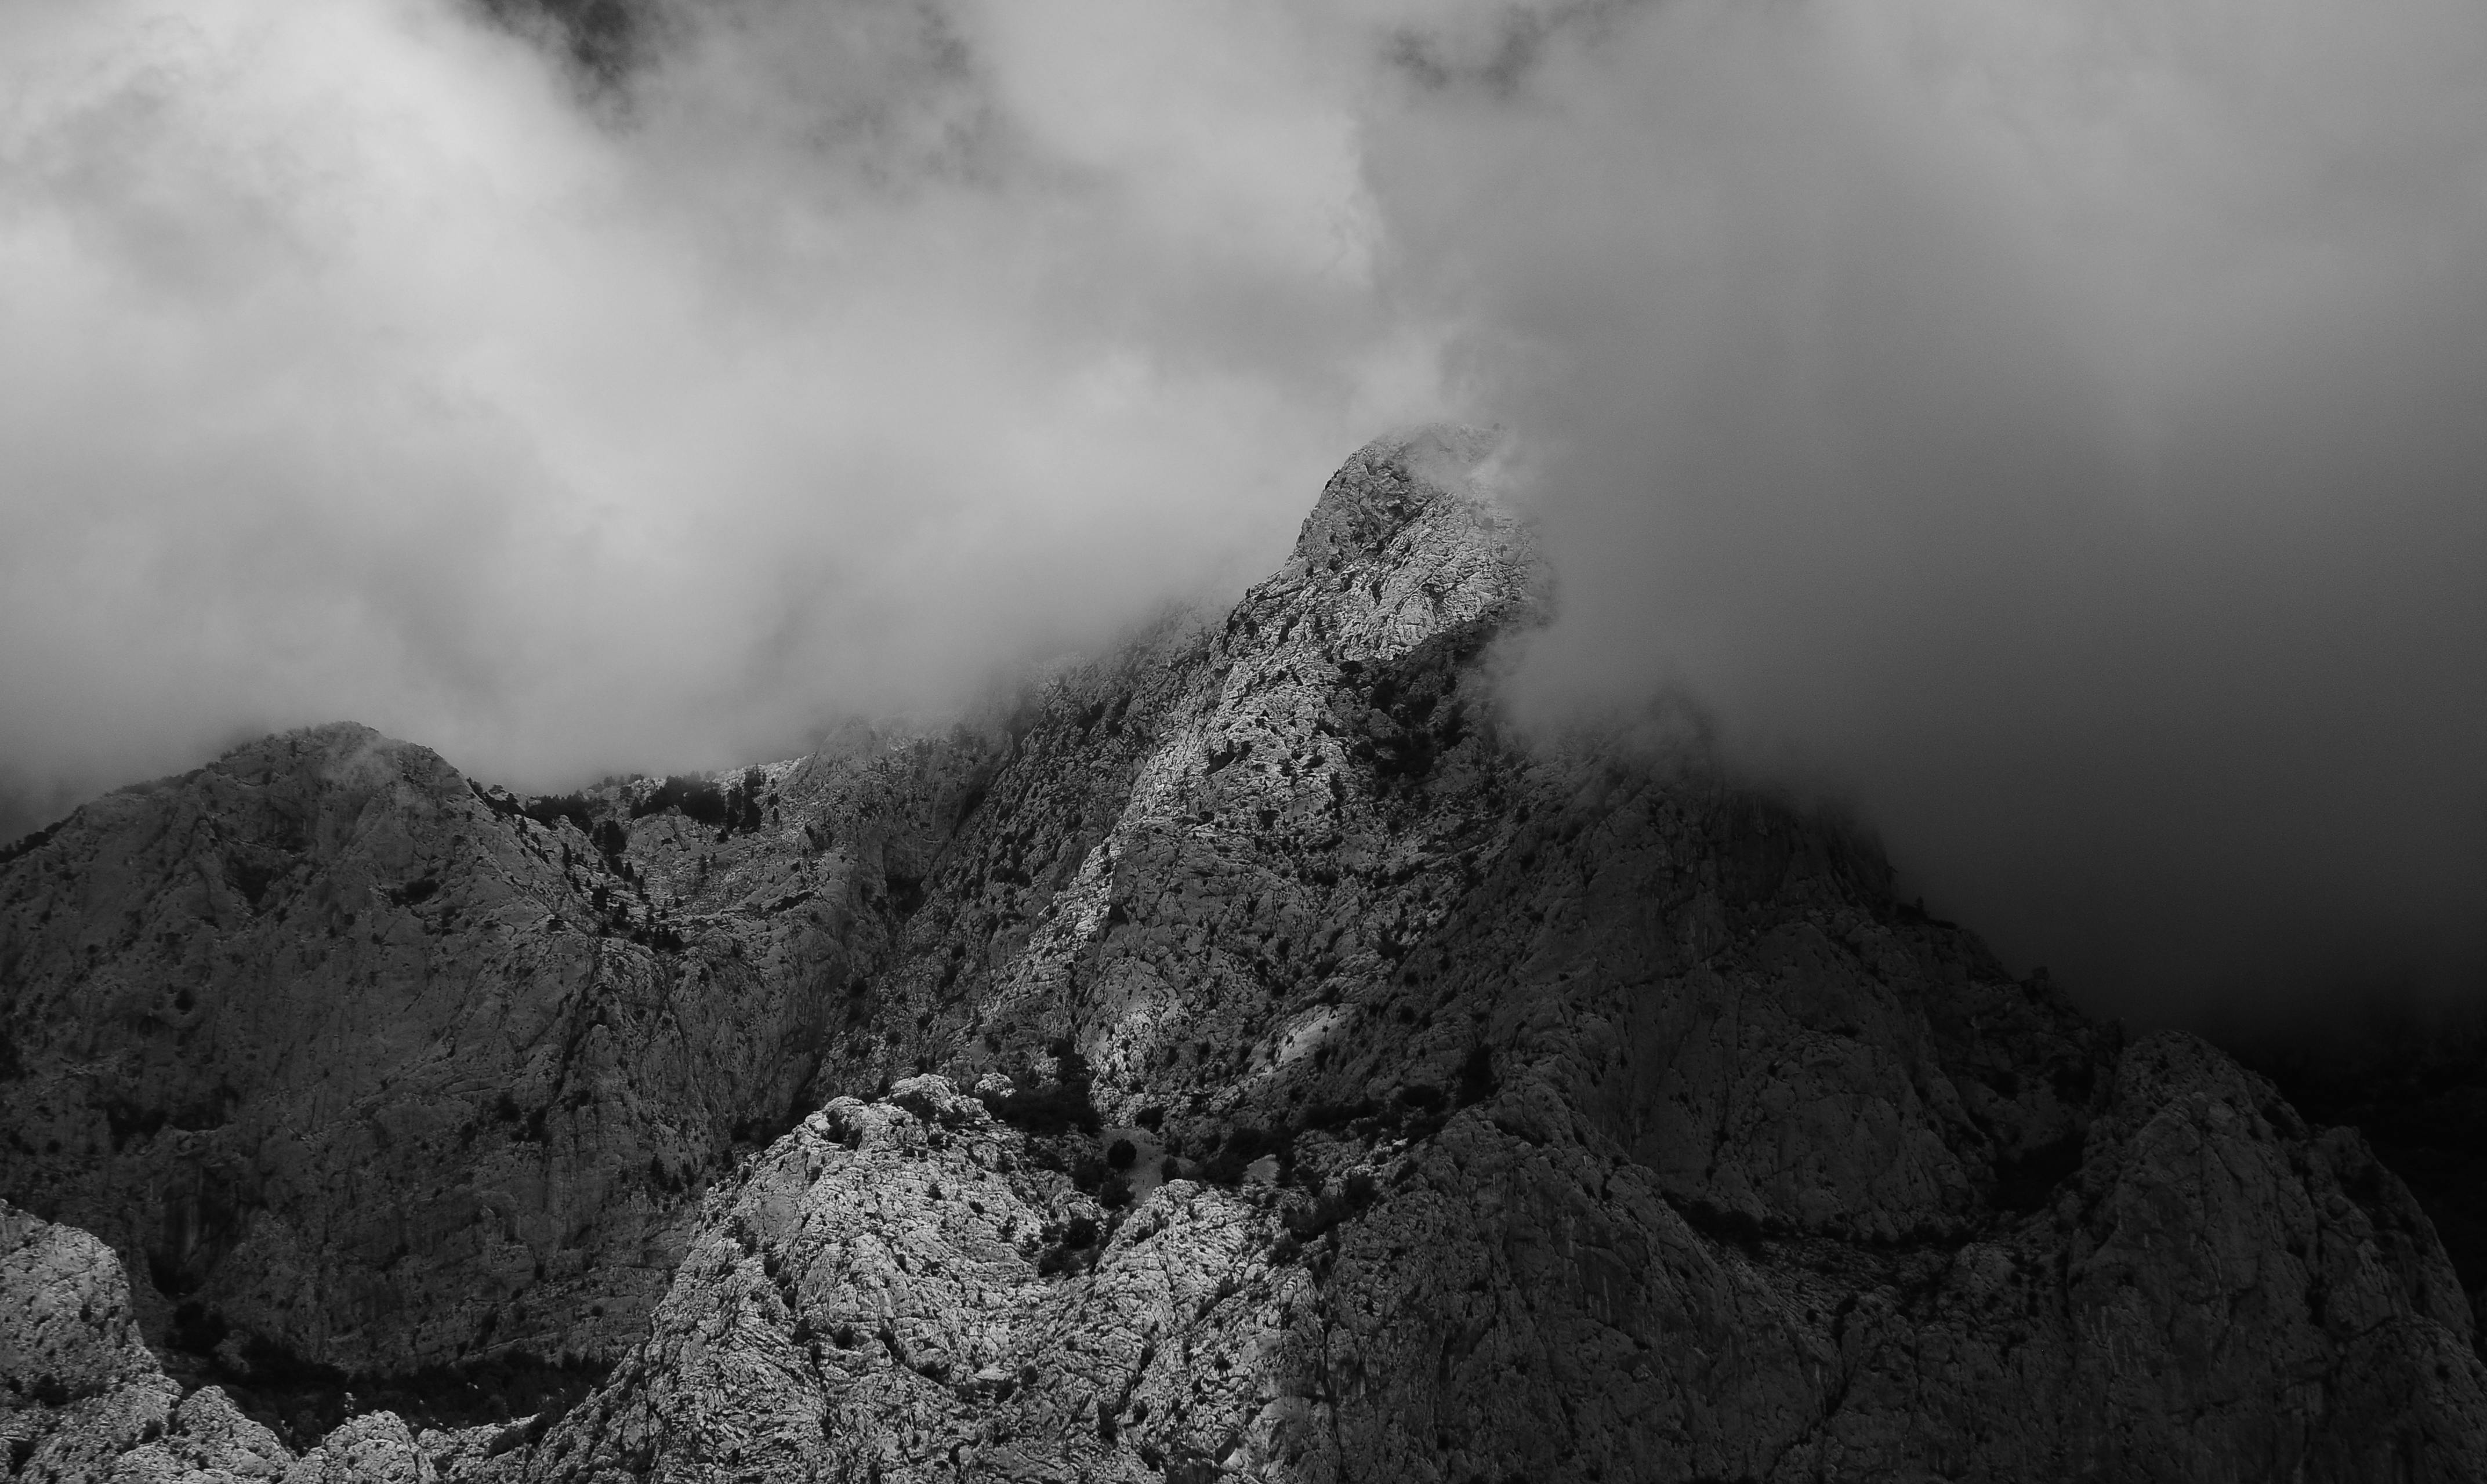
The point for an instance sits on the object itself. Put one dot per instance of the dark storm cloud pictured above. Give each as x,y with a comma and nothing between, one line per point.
2051,430
2058,434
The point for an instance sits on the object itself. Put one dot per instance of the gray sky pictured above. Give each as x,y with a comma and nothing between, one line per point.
2054,431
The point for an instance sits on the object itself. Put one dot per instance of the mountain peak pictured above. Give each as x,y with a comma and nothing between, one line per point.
1329,1041
1412,538
1398,488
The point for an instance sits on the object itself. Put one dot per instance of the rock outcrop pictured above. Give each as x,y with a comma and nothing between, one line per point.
360,1063
905,1290
1251,1056
81,1398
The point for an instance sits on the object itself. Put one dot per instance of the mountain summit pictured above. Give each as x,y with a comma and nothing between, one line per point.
1249,1057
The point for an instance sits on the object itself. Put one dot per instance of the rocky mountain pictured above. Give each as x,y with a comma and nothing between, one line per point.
1249,1055
366,1067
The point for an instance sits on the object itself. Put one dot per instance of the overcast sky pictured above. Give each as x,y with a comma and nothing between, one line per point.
2059,432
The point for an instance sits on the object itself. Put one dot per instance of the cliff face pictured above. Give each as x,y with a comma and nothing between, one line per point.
1251,1055
80,1395
354,1060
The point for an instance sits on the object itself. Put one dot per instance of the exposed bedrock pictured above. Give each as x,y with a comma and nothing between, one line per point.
1249,1052
350,1058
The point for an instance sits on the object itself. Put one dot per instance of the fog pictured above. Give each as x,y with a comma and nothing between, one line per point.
2053,435
361,362
2058,434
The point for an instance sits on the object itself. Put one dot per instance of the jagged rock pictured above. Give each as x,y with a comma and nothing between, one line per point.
868,1303
372,1066
1362,1088
898,1287
215,1434
375,1448
81,1398
1620,1123
460,1453
80,1387
2413,1082
67,1330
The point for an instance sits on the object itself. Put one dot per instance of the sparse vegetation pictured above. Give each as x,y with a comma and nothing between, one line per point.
725,808
698,799
1050,1108
552,808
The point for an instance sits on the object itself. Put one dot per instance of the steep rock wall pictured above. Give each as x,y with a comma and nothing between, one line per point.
348,1057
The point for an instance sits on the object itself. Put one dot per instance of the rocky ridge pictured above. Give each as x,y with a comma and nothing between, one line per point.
363,1065
1250,1056
81,1398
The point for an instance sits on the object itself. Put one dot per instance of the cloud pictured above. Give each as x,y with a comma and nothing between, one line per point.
358,366
2053,431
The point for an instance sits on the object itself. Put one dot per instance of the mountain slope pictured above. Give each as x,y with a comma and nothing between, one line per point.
1252,1054
362,1063
1608,1120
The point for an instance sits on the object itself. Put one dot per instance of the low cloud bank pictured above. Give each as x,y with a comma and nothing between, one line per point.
2054,433
362,362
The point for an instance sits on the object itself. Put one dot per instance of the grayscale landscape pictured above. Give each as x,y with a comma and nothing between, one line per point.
1494,743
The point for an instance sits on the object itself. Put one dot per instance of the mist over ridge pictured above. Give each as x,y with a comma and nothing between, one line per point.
2055,435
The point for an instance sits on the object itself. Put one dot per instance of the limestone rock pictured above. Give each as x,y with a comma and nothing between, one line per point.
67,1329
460,1453
1616,1122
363,1063
81,1398
897,1289
869,1303
375,1448
216,1436
1362,1088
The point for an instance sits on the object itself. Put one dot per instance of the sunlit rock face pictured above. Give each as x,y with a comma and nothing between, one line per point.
80,1395
1249,1055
